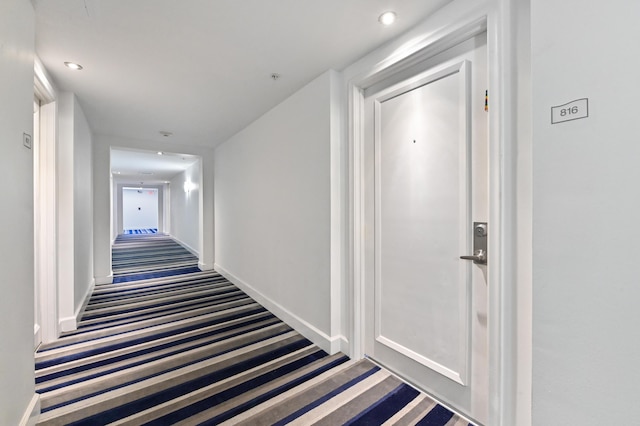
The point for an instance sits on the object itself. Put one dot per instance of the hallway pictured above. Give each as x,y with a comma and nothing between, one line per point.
186,347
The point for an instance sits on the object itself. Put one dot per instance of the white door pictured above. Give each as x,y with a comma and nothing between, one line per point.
427,183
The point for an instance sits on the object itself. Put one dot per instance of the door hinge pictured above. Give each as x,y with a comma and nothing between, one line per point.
486,100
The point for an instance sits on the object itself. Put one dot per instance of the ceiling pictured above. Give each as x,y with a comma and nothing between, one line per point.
148,168
201,69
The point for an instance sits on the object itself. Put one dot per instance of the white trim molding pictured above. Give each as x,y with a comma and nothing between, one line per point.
186,246
85,301
46,207
68,324
206,266
330,344
32,413
104,280
37,336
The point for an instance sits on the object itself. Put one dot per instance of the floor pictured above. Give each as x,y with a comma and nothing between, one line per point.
191,348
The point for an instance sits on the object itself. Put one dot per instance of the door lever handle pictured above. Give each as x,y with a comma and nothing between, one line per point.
479,257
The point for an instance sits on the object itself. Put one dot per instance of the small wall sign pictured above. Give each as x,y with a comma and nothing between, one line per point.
573,110
26,140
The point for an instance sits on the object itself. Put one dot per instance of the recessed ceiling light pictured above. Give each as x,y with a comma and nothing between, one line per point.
165,133
275,76
73,66
160,153
387,18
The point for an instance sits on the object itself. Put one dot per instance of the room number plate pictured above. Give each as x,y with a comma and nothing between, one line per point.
573,110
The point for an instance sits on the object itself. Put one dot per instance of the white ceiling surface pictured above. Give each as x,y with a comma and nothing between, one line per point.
201,69
147,168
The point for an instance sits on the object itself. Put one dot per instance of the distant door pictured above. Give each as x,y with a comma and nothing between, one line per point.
139,208
426,308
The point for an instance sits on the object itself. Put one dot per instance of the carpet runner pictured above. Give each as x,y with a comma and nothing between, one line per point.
141,231
144,256
192,349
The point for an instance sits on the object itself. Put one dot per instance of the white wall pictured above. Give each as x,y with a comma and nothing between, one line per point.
75,210
16,210
185,207
83,207
585,214
273,211
139,208
103,230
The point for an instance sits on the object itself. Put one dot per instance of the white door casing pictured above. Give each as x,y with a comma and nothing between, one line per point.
426,163
38,269
509,369
45,209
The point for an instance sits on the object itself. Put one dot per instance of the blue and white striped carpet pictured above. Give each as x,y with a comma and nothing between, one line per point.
140,231
192,349
145,256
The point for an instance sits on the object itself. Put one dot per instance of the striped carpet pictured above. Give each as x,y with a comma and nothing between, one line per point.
141,231
192,349
143,256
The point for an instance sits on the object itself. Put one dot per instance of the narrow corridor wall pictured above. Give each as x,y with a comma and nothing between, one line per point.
585,214
273,210
75,210
17,392
185,207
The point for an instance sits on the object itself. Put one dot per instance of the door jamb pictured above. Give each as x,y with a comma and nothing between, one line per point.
47,245
502,342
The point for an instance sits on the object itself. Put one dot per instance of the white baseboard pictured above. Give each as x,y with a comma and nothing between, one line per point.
104,280
206,266
32,413
67,324
85,300
343,344
330,344
71,323
187,246
37,336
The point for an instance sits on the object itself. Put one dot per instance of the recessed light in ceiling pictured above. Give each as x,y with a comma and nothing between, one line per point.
160,153
387,18
275,76
165,133
73,66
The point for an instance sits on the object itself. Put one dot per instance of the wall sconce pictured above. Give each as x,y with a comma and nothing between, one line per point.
189,186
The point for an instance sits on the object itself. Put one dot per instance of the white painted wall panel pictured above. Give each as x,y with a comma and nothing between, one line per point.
75,209
16,210
585,210
66,228
272,205
185,207
82,206
139,208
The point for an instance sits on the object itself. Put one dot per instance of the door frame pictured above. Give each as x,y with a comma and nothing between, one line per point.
45,210
502,294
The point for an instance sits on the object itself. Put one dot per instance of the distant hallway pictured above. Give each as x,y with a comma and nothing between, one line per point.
169,344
